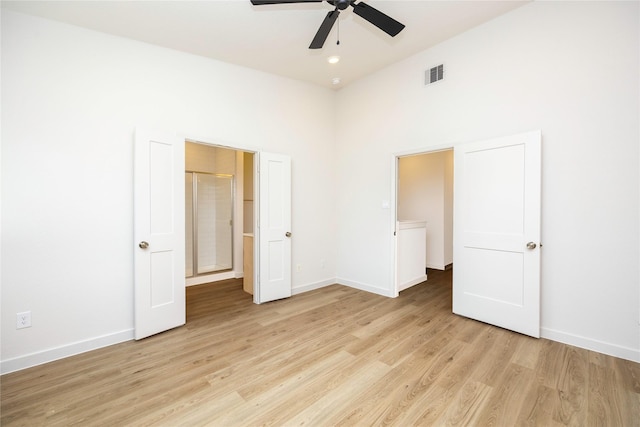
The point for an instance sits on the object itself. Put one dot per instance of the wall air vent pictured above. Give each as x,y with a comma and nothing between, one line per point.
434,74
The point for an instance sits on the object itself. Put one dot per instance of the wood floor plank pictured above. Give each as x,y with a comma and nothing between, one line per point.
436,401
538,408
549,367
414,338
279,367
604,408
334,356
310,387
573,388
335,402
201,409
504,402
467,405
418,387
527,352
387,399
498,356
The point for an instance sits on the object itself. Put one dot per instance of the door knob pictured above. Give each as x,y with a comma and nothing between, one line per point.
143,245
288,234
531,245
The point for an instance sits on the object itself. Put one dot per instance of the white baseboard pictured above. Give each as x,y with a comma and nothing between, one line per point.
39,358
46,356
411,283
311,286
591,344
365,287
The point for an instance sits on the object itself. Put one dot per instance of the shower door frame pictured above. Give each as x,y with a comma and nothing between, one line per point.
194,222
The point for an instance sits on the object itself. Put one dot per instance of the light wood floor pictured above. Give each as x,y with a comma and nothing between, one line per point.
331,357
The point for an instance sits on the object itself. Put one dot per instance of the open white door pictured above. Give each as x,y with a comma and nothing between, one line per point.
158,233
273,278
496,276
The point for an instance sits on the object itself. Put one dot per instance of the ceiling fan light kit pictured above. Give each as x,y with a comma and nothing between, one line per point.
369,13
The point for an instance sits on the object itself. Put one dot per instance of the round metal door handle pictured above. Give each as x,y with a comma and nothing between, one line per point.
143,245
531,245
288,234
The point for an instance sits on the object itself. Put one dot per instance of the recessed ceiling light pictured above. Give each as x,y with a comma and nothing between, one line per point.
335,80
333,59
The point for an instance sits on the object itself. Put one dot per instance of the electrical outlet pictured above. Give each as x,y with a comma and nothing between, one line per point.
322,263
298,267
23,320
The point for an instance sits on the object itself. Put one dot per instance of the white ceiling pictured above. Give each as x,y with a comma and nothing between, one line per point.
275,38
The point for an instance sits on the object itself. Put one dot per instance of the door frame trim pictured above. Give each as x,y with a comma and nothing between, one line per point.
233,145
394,202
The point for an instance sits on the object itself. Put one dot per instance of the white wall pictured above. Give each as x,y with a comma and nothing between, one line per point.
425,193
71,99
569,69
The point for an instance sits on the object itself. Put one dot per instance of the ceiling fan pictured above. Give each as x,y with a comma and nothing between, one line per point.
371,14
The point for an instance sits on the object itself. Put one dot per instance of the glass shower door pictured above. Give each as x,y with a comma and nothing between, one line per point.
212,230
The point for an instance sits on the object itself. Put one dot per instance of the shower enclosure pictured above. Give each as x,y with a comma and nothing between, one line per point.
209,226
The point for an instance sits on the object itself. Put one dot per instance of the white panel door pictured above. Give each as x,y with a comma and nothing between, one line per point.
274,228
496,275
158,233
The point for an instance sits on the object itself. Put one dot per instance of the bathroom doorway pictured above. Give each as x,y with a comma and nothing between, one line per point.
212,213
209,200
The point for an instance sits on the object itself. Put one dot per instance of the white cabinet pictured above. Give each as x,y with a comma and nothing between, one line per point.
411,253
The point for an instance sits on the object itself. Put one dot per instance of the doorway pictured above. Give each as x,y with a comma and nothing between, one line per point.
216,211
425,193
209,200
496,239
159,229
267,277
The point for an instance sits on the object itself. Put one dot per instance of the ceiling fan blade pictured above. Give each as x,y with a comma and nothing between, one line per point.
324,30
261,2
377,18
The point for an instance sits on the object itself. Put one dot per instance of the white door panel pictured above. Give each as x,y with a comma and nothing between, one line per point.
274,226
158,233
496,213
